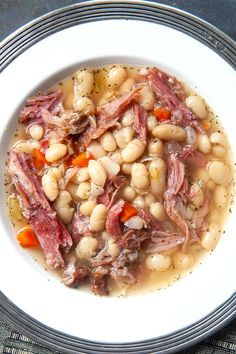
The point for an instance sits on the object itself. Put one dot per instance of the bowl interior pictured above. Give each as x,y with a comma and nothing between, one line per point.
39,293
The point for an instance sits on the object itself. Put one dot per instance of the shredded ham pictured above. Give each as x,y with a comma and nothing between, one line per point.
175,183
162,85
111,190
160,244
32,110
113,219
51,233
140,122
108,115
80,226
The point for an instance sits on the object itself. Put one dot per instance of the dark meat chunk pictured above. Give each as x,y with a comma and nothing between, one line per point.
167,92
51,233
99,283
140,122
32,110
79,276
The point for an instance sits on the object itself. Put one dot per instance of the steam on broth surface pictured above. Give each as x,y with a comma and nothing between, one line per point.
120,177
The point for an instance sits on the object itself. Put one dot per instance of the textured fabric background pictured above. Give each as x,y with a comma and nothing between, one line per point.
14,13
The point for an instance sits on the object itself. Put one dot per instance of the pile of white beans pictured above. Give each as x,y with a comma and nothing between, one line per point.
119,151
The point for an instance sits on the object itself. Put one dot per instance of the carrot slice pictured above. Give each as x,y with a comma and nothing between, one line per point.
127,212
26,238
82,159
161,113
38,159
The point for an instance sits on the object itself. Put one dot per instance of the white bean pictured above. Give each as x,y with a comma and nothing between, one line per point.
139,202
36,131
158,211
155,147
149,199
197,106
220,197
139,176
218,138
157,172
135,222
182,260
81,176
55,171
210,237
128,193
62,206
169,132
108,141
202,175
26,146
133,150
112,168
50,187
219,173
126,168
55,152
96,190
63,199
116,76
72,189
85,82
151,123
86,247
97,173
116,157
158,262
146,97
126,86
83,190
211,185
105,235
98,218
203,143
87,207
218,150
84,105
128,133
127,119
197,196
120,139
107,96
112,248
96,149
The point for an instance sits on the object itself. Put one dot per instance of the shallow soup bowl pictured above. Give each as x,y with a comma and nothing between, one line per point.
162,320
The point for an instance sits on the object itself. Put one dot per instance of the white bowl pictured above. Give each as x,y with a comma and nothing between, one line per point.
180,313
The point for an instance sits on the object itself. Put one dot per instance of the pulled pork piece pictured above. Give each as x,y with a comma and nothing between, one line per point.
108,115
51,233
69,122
112,188
99,282
120,267
77,277
175,184
160,244
113,219
193,158
80,226
167,91
32,110
140,122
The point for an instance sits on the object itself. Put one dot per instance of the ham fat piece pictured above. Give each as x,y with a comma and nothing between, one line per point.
51,233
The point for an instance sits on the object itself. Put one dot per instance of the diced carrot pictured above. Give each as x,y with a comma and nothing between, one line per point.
161,113
206,124
82,159
26,238
127,212
38,159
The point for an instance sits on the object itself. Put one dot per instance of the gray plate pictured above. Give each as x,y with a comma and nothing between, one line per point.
84,12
